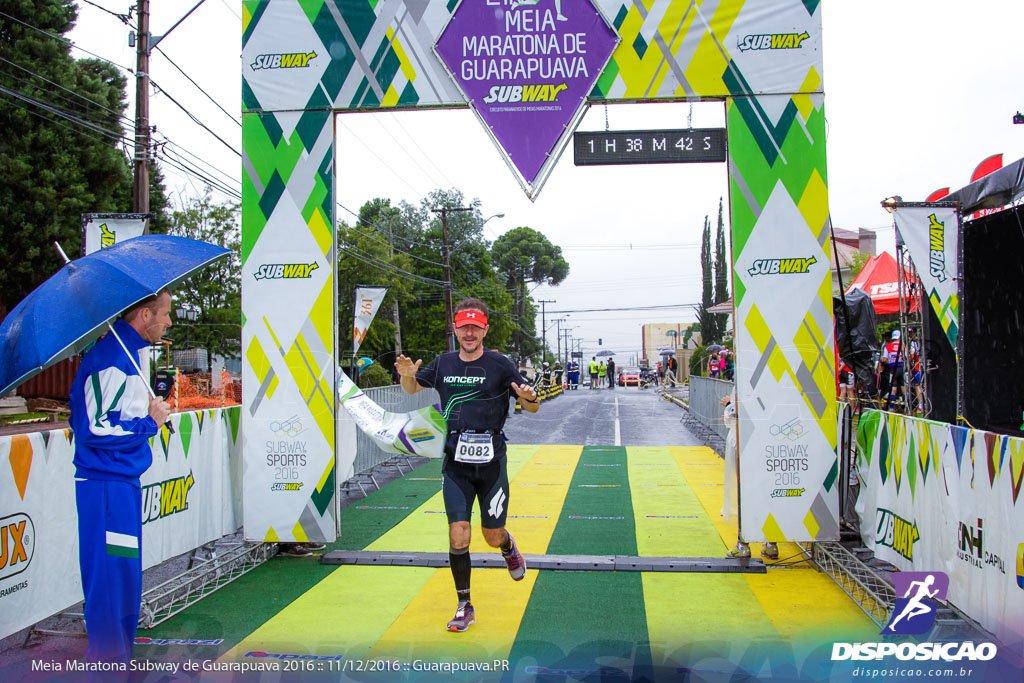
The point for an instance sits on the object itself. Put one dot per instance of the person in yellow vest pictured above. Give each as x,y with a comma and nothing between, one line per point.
601,372
593,372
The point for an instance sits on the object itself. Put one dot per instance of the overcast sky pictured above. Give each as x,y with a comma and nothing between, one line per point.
918,92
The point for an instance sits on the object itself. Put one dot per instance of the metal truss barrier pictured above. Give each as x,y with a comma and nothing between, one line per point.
616,563
867,588
162,602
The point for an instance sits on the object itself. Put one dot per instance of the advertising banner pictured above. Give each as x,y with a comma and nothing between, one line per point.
102,230
932,236
526,68
289,326
367,301
304,59
785,363
190,496
939,497
299,54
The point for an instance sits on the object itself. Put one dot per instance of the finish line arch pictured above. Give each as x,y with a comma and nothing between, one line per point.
305,60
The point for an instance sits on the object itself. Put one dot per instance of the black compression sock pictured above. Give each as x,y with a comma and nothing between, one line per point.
461,565
506,547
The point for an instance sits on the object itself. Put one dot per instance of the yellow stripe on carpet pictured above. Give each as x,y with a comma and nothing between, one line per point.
424,530
345,614
670,520
684,607
801,602
538,487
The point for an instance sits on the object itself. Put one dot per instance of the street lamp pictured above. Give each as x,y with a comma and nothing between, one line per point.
185,312
497,215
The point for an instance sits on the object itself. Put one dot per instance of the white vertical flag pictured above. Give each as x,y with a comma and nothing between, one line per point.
931,235
102,230
368,300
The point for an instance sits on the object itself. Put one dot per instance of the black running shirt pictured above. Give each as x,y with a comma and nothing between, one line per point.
474,395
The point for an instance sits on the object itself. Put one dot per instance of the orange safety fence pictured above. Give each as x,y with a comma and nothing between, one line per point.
195,391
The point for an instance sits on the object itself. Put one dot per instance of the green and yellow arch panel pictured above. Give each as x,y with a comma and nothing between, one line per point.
304,60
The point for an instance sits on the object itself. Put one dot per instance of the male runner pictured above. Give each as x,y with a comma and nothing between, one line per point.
475,386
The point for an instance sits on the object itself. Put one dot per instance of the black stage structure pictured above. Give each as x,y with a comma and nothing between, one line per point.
991,298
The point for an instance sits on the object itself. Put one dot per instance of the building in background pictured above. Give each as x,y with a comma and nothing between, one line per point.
681,338
854,248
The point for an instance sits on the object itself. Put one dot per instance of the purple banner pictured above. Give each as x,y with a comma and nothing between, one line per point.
526,68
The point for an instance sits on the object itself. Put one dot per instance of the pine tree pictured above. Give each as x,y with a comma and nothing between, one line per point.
60,151
721,266
708,324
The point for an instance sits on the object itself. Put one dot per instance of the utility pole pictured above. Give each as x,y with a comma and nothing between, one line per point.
558,322
447,273
140,190
543,328
394,304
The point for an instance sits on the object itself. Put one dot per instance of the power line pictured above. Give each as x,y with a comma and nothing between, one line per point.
67,42
57,111
58,85
626,308
125,18
208,96
194,118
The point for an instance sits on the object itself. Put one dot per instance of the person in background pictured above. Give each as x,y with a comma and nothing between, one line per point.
670,370
892,361
593,372
713,368
610,370
730,499
602,373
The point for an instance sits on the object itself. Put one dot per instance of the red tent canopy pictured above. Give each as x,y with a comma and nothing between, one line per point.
880,280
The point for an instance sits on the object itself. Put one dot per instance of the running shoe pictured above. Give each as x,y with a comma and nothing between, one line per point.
315,545
770,551
514,560
293,550
465,616
741,551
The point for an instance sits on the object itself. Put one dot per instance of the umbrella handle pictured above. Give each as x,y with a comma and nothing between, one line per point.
135,365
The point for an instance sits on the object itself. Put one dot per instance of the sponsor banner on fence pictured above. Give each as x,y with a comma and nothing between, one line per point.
102,230
419,432
931,234
939,497
367,301
190,496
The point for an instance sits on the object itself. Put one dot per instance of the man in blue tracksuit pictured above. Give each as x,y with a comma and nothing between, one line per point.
113,418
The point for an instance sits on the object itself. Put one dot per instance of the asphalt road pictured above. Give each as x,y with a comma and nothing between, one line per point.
623,416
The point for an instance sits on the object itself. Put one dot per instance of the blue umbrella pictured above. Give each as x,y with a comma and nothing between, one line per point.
66,313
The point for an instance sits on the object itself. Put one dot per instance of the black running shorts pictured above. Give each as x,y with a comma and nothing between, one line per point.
462,484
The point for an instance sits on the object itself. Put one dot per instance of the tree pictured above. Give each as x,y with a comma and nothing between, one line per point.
214,292
708,324
721,275
527,256
368,255
721,267
62,123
